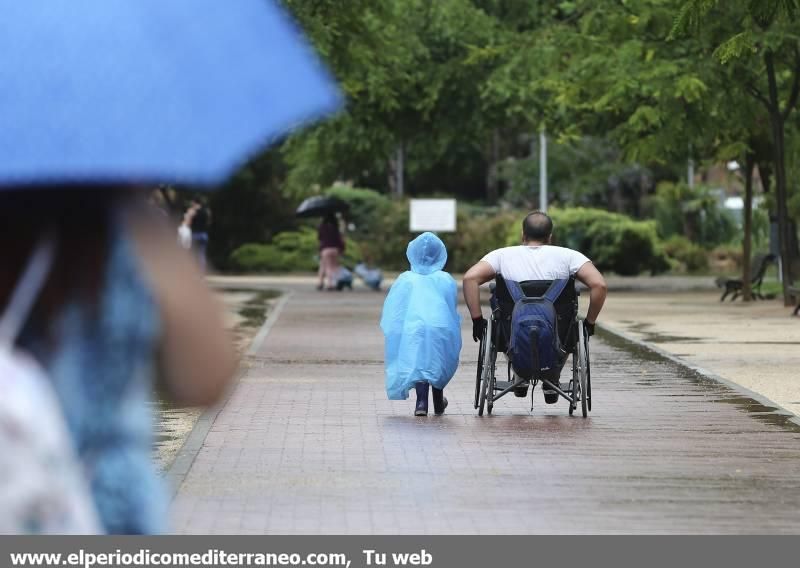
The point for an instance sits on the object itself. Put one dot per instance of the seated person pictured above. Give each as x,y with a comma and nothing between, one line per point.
534,259
566,307
372,276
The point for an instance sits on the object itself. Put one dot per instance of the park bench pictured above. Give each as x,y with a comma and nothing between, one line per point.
734,285
795,292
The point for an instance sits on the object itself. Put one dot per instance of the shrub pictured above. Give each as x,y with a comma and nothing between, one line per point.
254,257
480,230
694,213
387,245
290,250
726,259
367,207
614,242
690,257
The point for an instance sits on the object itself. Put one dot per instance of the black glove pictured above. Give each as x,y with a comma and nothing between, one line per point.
588,328
478,327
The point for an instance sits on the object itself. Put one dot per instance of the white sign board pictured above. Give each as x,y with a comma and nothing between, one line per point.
438,215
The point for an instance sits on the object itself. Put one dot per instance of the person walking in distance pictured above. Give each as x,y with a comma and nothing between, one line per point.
200,223
331,246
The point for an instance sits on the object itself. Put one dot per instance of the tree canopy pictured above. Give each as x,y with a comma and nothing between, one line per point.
627,91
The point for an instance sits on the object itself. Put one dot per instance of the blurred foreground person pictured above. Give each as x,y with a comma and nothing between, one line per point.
97,298
120,306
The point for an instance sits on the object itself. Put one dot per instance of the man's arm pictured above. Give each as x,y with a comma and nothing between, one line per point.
598,289
479,274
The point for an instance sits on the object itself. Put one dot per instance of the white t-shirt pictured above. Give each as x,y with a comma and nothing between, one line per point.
538,262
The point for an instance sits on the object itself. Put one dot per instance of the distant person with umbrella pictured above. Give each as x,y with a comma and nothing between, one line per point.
119,303
199,225
331,243
331,246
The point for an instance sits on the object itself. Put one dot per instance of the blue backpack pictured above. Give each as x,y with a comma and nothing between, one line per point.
534,344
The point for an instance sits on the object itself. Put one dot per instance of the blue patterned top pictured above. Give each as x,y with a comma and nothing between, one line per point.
102,368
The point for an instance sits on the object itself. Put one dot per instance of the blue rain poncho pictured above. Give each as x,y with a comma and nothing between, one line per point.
420,323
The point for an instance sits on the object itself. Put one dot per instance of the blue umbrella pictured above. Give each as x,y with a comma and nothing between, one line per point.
106,91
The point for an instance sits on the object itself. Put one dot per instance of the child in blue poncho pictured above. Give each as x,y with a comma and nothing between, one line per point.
421,327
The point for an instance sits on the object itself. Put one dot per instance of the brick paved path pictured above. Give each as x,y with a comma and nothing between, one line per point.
308,443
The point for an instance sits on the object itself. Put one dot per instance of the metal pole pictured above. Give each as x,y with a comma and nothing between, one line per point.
542,171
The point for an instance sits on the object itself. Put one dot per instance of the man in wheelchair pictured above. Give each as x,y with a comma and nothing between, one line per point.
534,265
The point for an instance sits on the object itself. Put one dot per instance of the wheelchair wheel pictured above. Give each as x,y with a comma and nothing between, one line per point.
588,375
573,384
479,372
487,369
490,388
583,370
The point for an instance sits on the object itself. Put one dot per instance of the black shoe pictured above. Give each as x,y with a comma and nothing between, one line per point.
521,391
439,401
550,396
422,408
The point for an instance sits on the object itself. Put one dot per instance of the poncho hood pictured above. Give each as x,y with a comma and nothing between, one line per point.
426,254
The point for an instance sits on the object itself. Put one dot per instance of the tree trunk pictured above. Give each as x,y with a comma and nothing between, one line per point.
777,124
765,174
747,245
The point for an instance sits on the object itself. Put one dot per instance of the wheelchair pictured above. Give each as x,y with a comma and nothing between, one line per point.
574,341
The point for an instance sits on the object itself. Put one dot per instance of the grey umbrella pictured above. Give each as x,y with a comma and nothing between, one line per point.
320,205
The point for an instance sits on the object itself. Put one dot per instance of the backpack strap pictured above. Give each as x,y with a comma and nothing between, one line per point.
515,290
552,294
555,289
26,291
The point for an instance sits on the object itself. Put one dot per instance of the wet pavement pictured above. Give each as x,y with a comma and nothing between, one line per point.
308,443
753,344
245,311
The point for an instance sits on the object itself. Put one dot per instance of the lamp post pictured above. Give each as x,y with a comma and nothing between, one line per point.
542,171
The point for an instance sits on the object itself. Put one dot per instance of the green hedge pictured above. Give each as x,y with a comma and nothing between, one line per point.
614,242
367,208
288,251
688,256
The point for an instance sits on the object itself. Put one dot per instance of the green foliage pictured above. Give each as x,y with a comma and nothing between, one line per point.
614,242
464,84
691,257
727,259
588,171
288,251
692,213
480,230
478,233
367,208
387,246
249,208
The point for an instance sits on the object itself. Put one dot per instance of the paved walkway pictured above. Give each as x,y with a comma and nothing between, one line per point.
755,344
308,443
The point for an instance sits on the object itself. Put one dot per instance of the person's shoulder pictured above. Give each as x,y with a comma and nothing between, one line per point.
562,250
506,250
